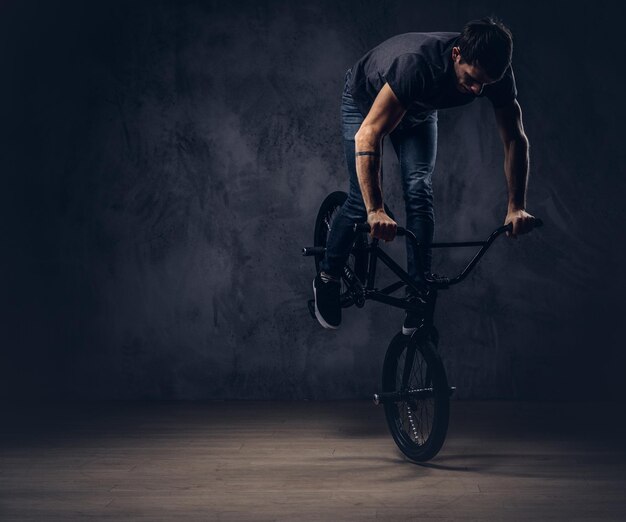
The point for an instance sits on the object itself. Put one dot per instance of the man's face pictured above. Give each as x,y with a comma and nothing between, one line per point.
470,79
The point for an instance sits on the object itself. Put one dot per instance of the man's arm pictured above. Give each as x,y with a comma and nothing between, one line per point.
509,119
383,117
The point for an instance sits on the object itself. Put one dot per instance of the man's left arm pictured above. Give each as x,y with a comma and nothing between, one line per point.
509,120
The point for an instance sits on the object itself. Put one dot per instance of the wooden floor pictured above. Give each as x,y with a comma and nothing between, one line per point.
307,461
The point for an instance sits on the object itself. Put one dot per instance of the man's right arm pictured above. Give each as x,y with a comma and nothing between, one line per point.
383,117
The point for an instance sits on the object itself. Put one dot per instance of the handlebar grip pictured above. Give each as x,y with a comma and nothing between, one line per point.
509,228
365,227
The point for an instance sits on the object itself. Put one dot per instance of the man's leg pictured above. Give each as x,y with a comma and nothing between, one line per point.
417,151
342,234
341,237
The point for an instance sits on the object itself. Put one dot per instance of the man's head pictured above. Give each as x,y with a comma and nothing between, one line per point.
482,54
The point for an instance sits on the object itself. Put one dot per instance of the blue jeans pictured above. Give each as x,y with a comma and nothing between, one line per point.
416,149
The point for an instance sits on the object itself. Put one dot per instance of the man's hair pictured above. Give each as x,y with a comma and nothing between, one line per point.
488,42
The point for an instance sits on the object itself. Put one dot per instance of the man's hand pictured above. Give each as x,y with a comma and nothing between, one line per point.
522,222
381,225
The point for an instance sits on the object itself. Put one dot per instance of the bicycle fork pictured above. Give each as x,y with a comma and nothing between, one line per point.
405,392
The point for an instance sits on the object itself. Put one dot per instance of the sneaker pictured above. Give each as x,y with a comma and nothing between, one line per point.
327,304
411,322
413,319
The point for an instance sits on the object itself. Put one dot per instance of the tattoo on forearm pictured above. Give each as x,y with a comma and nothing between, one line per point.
368,174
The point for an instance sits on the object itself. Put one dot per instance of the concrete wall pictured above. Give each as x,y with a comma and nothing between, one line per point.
164,162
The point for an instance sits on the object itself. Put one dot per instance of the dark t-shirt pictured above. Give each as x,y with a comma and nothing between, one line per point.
420,72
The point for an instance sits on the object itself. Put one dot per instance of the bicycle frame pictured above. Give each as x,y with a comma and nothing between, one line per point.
357,293
413,370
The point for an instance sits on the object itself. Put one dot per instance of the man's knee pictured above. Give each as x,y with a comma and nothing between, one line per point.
418,194
354,208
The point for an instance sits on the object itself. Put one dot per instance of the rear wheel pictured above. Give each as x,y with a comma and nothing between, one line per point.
418,420
328,211
330,207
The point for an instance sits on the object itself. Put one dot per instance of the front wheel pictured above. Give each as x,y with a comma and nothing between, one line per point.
418,418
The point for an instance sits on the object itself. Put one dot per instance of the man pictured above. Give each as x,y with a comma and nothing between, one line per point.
396,90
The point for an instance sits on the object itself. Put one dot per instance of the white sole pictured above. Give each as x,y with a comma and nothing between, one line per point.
318,316
408,331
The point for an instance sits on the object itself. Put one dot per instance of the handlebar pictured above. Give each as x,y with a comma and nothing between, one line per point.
444,282
401,231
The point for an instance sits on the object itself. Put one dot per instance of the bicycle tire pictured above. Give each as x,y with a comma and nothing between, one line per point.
358,261
418,426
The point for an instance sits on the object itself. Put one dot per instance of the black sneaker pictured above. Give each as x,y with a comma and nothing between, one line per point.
327,304
413,319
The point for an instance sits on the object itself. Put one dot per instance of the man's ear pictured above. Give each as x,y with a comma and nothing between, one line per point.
456,53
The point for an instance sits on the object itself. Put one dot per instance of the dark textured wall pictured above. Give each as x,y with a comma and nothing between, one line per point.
163,163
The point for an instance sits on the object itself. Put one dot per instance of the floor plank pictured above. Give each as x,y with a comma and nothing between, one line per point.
235,461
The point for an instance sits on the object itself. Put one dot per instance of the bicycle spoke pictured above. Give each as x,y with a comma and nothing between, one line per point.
414,416
328,219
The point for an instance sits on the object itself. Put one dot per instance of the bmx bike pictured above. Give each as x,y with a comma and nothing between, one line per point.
415,392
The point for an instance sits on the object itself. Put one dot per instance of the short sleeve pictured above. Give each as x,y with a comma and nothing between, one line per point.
406,79
504,91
